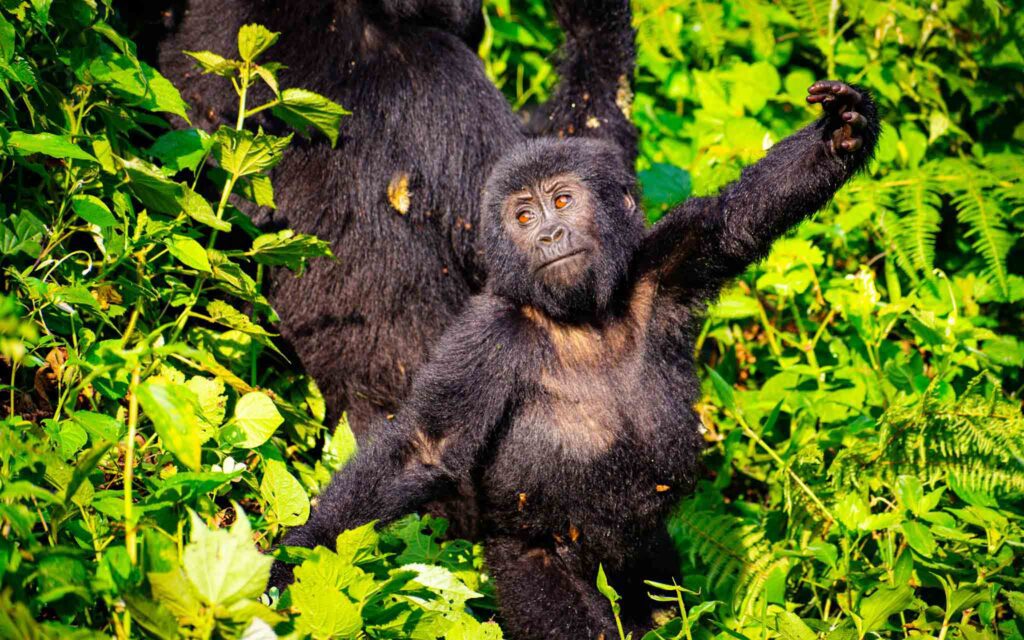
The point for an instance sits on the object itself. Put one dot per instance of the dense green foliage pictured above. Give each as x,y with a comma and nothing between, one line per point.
866,447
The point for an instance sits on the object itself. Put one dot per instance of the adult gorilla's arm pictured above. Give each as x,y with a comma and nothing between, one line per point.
703,243
596,65
456,402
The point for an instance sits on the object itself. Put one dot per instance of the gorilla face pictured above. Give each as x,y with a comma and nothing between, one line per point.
561,226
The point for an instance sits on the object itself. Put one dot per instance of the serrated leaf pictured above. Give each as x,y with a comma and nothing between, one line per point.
304,109
93,210
143,85
210,62
254,39
223,564
99,426
876,609
257,417
287,248
189,252
243,153
326,613
287,502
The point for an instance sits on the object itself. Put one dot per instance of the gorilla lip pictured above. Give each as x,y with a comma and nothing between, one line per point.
561,258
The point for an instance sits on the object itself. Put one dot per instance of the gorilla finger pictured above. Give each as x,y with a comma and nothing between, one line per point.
824,86
854,119
851,144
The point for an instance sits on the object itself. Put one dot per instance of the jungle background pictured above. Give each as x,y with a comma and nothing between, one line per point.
865,463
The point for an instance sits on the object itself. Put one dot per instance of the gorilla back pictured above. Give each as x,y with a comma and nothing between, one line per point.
399,198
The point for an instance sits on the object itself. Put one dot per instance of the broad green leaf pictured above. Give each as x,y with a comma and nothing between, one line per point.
210,394
243,153
143,85
189,252
174,410
442,581
876,609
180,150
254,39
6,40
919,537
287,502
210,62
99,426
257,417
326,613
93,210
304,109
223,564
791,627
49,144
664,186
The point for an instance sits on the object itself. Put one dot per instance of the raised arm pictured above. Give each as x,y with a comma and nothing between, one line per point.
456,402
700,245
595,67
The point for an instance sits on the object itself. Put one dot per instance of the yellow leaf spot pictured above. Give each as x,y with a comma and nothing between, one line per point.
398,192
574,533
593,122
662,488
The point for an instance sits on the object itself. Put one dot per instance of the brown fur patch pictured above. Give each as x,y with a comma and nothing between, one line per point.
591,370
425,450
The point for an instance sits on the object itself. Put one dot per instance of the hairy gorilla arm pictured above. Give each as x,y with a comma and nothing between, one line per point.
705,242
448,420
595,66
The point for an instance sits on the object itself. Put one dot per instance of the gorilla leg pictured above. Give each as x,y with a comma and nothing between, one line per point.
542,596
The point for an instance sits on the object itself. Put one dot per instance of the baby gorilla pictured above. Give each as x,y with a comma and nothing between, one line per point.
563,396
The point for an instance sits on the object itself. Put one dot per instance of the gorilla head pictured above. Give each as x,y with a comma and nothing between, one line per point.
561,226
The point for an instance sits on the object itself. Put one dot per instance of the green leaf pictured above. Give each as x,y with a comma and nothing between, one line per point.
876,609
184,149
304,109
723,389
287,502
140,83
174,410
326,613
93,210
791,627
6,40
257,417
919,537
223,564
210,62
48,144
254,39
606,589
189,252
664,186
287,248
242,153
100,427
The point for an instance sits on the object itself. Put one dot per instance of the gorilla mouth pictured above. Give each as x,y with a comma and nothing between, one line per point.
562,258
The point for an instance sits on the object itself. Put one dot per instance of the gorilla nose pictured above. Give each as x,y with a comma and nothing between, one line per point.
552,235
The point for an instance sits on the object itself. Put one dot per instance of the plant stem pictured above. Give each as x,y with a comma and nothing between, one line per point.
129,466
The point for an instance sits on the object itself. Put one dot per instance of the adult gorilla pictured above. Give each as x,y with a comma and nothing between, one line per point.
426,120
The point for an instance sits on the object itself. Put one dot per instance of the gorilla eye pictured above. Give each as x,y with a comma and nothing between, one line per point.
562,201
524,217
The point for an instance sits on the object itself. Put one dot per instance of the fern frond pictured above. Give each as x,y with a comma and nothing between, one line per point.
978,440
811,15
986,229
733,552
919,205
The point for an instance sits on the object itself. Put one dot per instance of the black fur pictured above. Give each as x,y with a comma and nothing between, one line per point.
578,435
421,106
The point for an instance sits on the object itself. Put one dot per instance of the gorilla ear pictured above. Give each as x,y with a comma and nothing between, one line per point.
629,202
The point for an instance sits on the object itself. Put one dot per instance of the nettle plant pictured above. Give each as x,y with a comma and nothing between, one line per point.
153,436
